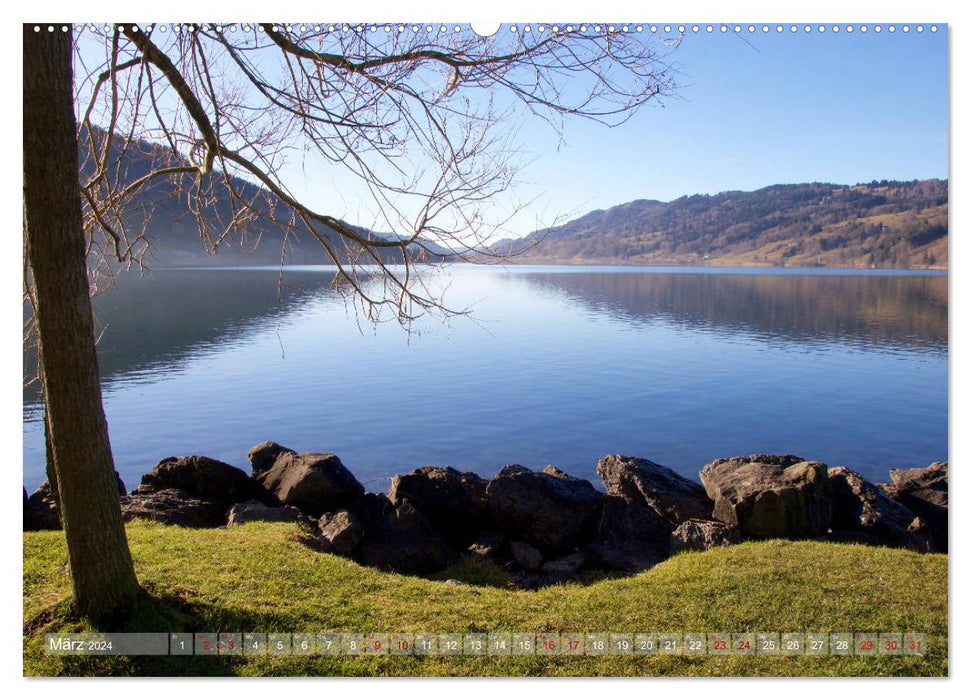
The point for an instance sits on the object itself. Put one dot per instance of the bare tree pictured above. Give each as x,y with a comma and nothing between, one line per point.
423,117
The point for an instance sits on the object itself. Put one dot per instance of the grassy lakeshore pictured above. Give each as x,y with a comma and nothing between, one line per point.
261,578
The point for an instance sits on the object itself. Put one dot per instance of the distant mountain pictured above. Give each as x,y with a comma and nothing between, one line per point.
879,224
165,208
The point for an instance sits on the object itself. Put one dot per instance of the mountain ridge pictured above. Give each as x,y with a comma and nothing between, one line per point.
883,223
164,209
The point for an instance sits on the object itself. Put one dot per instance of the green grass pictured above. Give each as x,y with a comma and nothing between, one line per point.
262,578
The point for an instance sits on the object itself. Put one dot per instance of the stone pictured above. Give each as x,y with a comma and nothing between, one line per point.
206,478
261,457
454,502
919,537
403,541
564,568
630,536
890,490
40,508
253,511
551,513
173,507
924,491
702,535
668,493
490,545
859,506
526,555
557,472
370,506
339,532
314,482
767,496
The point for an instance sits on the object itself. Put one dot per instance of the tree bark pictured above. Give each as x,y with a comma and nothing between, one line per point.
102,573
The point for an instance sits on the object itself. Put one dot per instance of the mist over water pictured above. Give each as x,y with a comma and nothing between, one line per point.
558,365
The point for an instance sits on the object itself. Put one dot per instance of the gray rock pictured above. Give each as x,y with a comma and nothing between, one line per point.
630,536
252,511
403,541
40,508
453,502
526,555
702,535
557,472
204,478
924,491
919,538
564,568
340,532
669,494
770,495
890,490
859,506
313,482
370,506
551,513
174,507
261,457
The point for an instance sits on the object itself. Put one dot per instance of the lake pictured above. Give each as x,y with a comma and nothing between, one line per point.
557,365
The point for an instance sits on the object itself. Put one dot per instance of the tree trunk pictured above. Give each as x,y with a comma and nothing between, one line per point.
102,572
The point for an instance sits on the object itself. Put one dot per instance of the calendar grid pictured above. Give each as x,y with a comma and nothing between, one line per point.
491,644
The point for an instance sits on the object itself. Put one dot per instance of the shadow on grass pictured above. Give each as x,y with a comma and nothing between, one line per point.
156,610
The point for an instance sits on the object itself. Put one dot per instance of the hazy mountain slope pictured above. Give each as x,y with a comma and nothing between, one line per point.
165,208
880,224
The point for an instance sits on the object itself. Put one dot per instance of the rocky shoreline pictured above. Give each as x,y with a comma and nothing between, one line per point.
543,526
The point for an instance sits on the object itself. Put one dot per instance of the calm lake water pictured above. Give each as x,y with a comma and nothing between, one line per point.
559,365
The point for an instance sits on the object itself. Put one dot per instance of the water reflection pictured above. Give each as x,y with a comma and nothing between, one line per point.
866,310
158,319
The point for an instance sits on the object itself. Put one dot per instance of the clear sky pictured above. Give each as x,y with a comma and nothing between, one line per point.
753,110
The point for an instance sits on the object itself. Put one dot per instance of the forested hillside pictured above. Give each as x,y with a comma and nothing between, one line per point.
879,224
165,212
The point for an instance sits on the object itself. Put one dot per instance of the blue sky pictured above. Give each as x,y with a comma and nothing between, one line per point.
768,109
753,110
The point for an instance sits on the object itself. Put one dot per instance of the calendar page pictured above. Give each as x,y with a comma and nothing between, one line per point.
522,349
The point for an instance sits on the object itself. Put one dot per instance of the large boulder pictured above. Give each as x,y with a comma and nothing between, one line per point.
174,507
551,513
370,506
669,494
859,506
313,482
924,491
261,457
630,536
403,541
770,495
340,532
702,535
206,478
40,508
254,511
454,502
